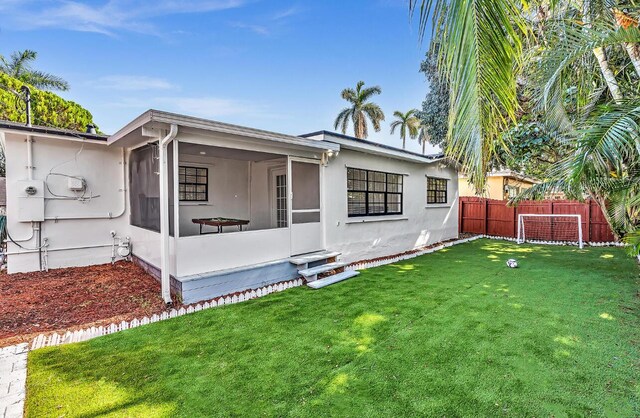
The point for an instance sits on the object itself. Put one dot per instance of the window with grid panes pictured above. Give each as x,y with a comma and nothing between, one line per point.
193,183
436,190
372,193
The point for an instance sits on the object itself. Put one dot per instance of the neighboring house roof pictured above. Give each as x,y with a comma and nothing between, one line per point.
15,126
508,173
3,191
357,144
161,118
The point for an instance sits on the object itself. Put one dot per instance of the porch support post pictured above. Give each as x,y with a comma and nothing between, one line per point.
176,191
164,214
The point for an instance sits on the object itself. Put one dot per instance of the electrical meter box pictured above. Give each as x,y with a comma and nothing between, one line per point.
31,201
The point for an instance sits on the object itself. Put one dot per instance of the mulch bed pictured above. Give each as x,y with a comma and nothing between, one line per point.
74,298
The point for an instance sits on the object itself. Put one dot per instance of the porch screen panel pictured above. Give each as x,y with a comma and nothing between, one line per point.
144,188
305,185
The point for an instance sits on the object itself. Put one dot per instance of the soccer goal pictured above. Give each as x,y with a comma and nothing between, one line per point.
537,228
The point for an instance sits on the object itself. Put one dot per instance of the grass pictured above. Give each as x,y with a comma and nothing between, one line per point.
454,333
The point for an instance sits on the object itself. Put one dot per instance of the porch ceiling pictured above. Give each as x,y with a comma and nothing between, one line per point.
229,153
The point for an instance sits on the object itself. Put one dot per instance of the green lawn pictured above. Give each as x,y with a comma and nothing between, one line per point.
454,333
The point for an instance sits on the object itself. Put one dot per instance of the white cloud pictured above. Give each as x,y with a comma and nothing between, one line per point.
209,107
132,83
283,14
108,17
268,24
258,29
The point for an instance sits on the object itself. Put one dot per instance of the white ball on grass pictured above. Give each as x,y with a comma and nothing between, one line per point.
512,263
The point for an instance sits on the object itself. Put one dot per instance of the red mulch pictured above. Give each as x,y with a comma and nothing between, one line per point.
74,298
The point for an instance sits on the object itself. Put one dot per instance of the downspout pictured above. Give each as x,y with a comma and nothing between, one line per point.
164,214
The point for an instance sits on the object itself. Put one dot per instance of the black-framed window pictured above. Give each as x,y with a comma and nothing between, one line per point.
372,193
436,190
193,183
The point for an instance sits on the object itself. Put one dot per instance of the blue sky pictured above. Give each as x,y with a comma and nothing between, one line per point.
276,65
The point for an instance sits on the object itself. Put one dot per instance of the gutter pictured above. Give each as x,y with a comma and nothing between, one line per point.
164,213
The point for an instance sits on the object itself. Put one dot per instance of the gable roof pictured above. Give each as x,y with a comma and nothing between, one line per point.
363,145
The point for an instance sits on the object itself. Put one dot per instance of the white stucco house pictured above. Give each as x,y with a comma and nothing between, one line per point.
213,208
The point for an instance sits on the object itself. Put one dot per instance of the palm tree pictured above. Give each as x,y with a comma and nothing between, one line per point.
484,46
423,137
408,123
480,43
19,67
361,109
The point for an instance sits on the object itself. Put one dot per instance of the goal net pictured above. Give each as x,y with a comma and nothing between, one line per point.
544,228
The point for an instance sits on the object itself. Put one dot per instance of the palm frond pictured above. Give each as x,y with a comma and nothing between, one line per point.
394,125
367,93
480,45
342,120
574,43
611,138
375,114
349,95
44,81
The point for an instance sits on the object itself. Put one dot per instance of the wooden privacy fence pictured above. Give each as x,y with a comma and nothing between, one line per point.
478,215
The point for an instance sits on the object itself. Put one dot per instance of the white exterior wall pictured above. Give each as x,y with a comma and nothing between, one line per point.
262,200
376,236
101,165
103,170
228,192
206,253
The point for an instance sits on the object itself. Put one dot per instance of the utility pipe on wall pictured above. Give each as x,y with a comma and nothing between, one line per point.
27,101
109,215
164,213
29,157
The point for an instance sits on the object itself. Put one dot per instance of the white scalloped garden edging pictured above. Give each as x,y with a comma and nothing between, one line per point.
54,339
590,244
86,334
402,257
69,337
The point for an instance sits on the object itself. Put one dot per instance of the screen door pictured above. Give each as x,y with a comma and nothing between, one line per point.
306,225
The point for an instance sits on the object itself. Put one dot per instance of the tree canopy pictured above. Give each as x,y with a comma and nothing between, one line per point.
578,66
48,109
434,115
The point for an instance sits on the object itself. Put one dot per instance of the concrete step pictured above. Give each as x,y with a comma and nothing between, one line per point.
313,257
321,269
318,284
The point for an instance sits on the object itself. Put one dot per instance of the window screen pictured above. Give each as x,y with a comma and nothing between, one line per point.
371,193
144,188
436,190
193,183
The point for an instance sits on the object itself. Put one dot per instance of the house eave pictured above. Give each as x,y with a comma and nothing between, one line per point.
167,118
369,147
50,132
